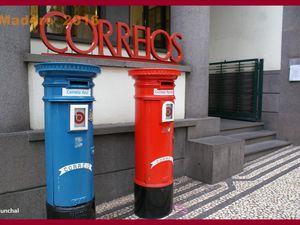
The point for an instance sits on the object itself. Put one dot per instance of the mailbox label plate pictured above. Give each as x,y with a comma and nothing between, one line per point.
162,92
76,92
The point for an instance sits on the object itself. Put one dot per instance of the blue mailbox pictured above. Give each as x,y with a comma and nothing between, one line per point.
68,98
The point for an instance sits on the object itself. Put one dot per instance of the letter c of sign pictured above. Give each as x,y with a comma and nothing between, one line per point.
43,33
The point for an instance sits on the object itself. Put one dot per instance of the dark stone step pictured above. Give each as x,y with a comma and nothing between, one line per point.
236,126
254,151
252,137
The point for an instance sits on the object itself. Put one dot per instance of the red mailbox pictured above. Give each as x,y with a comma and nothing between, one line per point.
154,116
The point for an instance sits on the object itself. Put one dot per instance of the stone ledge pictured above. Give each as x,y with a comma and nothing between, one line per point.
272,72
104,129
211,124
36,58
294,61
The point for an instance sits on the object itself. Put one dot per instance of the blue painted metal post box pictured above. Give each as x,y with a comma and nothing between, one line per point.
68,99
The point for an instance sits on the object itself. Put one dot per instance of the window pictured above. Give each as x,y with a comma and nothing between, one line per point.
57,26
34,13
56,29
155,17
82,31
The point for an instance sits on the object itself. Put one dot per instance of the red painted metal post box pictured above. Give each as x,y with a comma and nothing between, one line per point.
154,123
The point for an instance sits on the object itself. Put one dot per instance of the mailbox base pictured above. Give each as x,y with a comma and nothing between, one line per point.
83,211
153,202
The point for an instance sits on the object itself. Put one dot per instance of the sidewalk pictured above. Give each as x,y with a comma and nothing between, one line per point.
268,188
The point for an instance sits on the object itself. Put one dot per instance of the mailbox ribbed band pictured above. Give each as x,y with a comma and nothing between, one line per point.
66,66
154,71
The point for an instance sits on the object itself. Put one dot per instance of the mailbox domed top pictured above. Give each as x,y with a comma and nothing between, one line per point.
66,67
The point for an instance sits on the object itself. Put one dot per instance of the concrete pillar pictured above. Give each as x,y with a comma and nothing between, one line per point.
15,41
193,23
289,100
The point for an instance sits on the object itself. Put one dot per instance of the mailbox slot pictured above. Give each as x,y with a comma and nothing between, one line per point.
166,83
78,84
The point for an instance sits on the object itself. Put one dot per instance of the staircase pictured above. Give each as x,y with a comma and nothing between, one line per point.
258,141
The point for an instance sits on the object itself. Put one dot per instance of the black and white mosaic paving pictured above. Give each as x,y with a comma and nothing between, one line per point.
268,188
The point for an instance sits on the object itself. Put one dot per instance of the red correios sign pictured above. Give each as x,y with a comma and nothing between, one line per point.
100,37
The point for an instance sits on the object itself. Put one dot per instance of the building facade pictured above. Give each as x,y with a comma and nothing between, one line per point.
210,34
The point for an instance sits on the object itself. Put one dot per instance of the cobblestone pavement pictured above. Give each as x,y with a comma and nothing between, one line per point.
268,188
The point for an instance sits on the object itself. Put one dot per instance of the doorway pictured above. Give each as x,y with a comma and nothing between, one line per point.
235,89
